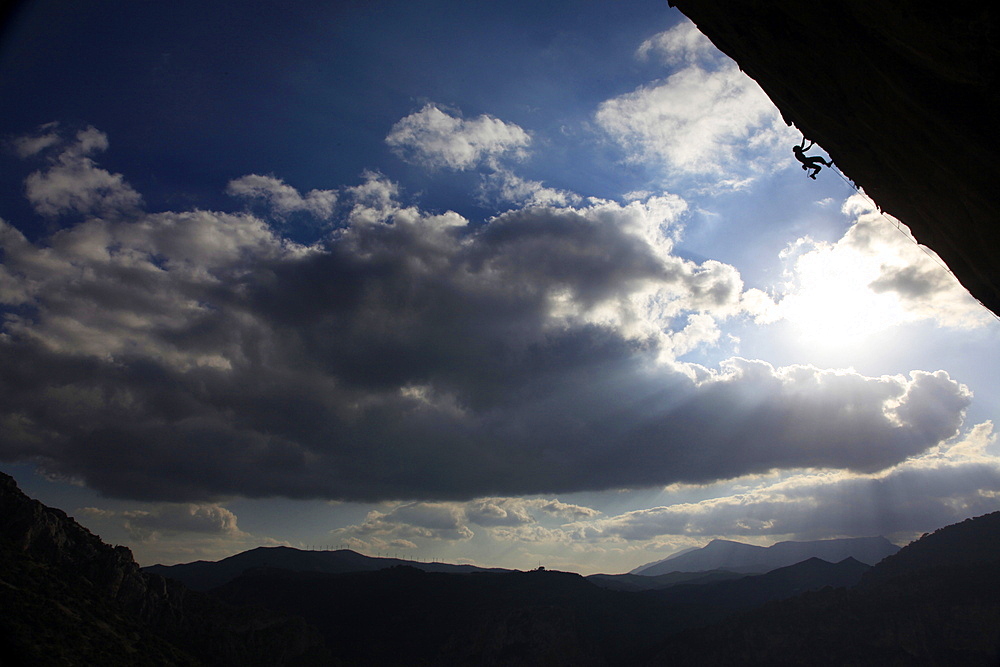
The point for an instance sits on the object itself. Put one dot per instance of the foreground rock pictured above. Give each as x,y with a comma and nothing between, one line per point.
68,598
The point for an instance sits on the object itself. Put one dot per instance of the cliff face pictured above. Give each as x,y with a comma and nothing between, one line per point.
901,93
68,598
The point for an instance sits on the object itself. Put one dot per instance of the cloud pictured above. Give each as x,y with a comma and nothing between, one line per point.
71,182
434,139
181,518
174,532
707,119
682,44
455,521
506,186
876,276
494,512
436,521
281,198
186,356
44,137
946,484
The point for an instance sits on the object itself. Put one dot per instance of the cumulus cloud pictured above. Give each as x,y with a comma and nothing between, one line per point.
71,182
181,518
282,198
435,139
189,355
436,521
456,521
707,119
174,532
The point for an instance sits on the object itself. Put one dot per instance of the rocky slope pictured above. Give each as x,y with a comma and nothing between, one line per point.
901,93
68,598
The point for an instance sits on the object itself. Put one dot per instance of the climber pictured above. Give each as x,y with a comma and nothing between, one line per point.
808,162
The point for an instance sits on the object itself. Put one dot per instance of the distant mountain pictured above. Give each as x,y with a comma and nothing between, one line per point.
935,602
205,575
716,555
67,598
749,558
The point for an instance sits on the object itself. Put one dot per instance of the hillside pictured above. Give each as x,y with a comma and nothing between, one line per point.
68,598
936,602
527,618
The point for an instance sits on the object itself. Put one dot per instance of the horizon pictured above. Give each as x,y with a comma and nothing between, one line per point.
403,558
489,284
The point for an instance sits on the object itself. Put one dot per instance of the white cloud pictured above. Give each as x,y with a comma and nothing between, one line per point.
435,139
682,44
707,119
72,183
282,198
506,186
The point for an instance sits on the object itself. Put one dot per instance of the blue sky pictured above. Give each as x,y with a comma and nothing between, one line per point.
486,283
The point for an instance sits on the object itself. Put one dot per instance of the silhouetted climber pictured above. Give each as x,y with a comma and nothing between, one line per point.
814,163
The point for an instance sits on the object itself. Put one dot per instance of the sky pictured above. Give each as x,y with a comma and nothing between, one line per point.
494,283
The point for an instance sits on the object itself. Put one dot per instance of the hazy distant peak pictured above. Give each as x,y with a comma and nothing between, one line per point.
740,557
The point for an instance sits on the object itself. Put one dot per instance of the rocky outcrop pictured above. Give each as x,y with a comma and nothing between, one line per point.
902,94
66,597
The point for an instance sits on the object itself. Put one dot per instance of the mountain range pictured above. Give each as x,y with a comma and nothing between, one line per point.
719,560
205,575
740,557
68,598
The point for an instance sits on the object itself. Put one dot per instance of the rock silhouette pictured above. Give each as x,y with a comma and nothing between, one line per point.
903,97
66,597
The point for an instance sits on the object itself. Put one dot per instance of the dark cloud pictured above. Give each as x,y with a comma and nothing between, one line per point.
911,282
184,356
921,494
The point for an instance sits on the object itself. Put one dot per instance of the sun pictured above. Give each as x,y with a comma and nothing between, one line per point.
832,304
